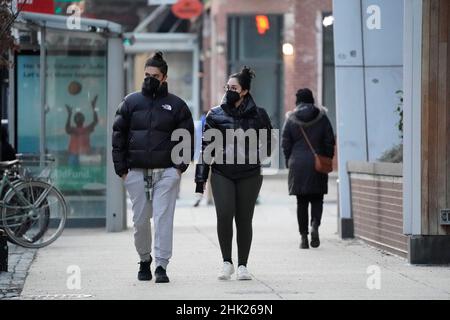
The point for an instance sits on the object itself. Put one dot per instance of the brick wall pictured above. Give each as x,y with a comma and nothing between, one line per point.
377,209
307,48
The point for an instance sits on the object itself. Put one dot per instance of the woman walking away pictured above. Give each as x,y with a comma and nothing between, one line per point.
307,130
235,186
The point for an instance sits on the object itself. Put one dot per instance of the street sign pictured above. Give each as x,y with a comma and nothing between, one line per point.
39,6
187,9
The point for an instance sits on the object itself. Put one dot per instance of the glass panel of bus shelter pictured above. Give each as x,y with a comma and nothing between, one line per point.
27,91
75,117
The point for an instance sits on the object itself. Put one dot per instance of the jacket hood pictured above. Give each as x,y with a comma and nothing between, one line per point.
247,106
307,114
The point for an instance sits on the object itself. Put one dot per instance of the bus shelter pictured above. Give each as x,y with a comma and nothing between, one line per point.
69,112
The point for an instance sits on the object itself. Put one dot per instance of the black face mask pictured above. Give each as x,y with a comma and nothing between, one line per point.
231,97
150,85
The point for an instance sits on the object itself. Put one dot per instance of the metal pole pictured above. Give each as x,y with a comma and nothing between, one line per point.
363,55
115,193
42,81
412,218
11,101
196,83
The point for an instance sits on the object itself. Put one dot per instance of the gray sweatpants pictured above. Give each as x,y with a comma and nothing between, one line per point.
161,208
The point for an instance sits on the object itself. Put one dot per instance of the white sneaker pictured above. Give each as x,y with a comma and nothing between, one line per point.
243,274
227,271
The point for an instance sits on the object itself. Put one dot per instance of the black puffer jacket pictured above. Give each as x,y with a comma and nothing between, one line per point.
143,127
303,178
223,117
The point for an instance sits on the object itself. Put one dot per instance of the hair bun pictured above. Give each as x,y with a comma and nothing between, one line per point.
158,56
246,71
244,77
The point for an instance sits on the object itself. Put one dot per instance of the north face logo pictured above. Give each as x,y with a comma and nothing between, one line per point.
167,107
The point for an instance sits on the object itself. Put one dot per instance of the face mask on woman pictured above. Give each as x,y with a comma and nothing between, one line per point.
231,97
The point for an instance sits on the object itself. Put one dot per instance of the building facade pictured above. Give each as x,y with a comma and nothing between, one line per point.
283,41
392,56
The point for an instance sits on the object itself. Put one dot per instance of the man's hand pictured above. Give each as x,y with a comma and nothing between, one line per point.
69,109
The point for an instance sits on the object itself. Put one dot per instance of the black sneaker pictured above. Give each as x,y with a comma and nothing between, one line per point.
315,241
304,243
145,274
161,275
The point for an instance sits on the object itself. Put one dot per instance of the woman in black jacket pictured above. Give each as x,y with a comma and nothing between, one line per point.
235,186
304,181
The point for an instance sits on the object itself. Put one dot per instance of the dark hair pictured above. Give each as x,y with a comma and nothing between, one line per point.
304,95
78,117
244,77
157,61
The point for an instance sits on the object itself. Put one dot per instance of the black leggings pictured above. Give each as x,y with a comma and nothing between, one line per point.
303,201
235,199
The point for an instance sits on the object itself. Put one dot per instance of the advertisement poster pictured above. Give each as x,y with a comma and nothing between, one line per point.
75,118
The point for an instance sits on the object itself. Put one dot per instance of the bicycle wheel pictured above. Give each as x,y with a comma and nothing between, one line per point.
34,214
20,225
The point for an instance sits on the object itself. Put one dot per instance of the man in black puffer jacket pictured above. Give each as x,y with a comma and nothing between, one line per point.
142,149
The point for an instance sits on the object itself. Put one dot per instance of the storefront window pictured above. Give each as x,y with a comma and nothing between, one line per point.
257,43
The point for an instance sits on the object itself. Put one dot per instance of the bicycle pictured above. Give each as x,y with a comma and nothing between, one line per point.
33,211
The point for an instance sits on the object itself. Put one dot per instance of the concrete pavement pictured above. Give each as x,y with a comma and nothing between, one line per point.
107,262
19,261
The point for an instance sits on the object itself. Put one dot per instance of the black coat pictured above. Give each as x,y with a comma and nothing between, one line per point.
143,128
247,116
8,152
303,178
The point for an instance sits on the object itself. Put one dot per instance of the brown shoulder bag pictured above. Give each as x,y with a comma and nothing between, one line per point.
322,164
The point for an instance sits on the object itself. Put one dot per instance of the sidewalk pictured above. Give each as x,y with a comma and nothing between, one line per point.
336,270
19,261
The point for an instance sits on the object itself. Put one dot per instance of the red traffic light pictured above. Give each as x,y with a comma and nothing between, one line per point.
262,24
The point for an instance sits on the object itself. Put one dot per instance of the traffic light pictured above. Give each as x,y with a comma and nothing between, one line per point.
262,24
